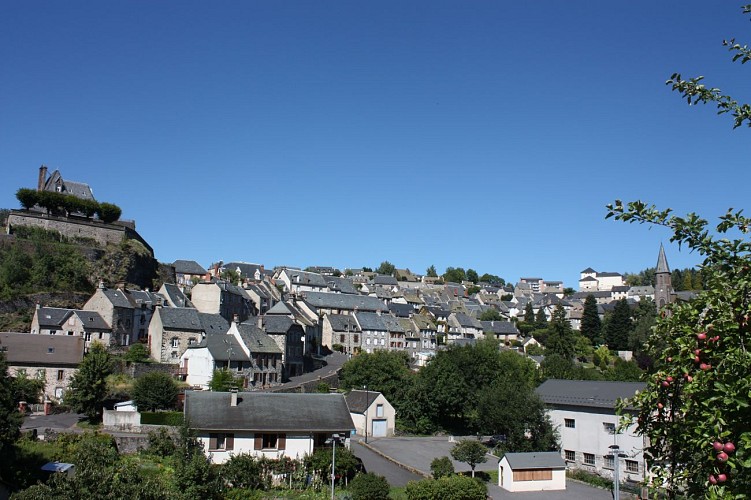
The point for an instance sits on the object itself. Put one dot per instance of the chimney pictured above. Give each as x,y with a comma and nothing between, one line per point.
233,397
236,319
38,305
260,322
101,284
120,285
42,178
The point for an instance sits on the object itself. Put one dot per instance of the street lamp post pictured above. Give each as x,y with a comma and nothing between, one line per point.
367,403
616,454
333,439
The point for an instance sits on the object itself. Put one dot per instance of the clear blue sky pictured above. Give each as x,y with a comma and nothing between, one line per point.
485,134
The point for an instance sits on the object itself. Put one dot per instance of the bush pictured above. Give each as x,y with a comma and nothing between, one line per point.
155,391
138,353
27,197
161,443
108,212
441,467
173,418
447,488
369,487
245,472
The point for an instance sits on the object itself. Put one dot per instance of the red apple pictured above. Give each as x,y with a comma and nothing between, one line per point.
716,338
689,378
669,379
697,351
701,336
717,446
660,406
721,478
697,359
665,383
729,447
722,456
712,479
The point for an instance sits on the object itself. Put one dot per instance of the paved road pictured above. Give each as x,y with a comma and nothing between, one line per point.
375,463
419,452
62,421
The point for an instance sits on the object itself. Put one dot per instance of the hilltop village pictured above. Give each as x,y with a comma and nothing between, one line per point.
270,327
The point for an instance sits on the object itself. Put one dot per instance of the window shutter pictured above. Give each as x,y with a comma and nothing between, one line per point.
258,444
229,442
212,441
281,443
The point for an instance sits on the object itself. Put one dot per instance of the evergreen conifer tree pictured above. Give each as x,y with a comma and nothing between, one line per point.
591,326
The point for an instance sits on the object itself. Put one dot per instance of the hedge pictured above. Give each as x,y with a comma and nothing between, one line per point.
174,418
55,202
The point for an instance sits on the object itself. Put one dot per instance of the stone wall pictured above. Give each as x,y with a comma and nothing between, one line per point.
77,227
122,421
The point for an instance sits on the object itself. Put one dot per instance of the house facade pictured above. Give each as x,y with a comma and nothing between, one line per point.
173,329
266,424
223,298
583,412
71,322
372,411
532,471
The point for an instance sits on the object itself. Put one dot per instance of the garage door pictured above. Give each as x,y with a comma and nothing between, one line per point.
379,428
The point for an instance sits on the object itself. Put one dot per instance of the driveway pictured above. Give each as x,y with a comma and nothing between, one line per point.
418,452
60,422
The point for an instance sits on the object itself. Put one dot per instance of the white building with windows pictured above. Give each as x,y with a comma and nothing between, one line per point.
371,410
266,424
583,411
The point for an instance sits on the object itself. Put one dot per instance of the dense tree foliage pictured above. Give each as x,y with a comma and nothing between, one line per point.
471,452
223,381
490,314
386,268
10,418
561,339
431,272
384,371
472,276
695,408
155,391
619,326
591,325
454,487
138,353
369,487
454,275
89,385
441,466
59,203
492,279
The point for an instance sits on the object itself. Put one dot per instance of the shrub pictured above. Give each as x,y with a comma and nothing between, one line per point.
109,212
27,197
244,471
447,488
161,443
138,353
441,467
155,391
173,418
369,487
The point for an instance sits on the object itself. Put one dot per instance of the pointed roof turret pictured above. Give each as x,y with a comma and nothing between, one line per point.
662,262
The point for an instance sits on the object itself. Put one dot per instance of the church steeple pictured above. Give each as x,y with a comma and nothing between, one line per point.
663,280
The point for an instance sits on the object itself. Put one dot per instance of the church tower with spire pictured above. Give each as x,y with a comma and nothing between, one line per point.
663,281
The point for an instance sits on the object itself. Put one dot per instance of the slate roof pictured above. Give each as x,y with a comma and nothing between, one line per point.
247,269
26,348
588,270
588,278
343,323
609,275
224,347
175,297
92,320
341,285
279,308
358,400
382,279
586,393
622,289
305,278
277,324
343,301
213,323
79,189
273,412
117,298
467,321
535,460
256,340
392,324
188,267
662,262
500,327
52,316
401,310
371,321
188,319
258,291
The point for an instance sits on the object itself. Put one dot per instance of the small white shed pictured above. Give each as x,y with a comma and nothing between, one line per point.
534,471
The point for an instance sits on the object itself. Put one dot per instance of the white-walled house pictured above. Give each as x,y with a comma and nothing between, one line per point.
371,410
583,412
532,471
266,424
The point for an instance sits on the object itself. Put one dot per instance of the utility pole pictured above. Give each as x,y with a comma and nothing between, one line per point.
367,404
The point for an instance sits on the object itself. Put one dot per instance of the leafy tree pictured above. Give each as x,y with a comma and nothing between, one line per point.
386,268
320,462
155,391
624,371
556,366
108,212
384,371
697,390
454,275
369,487
89,385
491,314
28,389
223,381
492,279
646,317
619,326
10,418
453,487
244,471
27,197
511,408
161,443
441,467
470,452
138,353
472,276
591,324
431,272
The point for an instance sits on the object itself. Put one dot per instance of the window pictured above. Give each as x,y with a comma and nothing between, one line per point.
570,455
87,337
239,366
270,441
609,462
59,392
379,410
70,332
632,466
52,332
589,458
175,342
383,342
50,350
60,374
569,422
221,441
191,341
341,338
368,342
608,427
